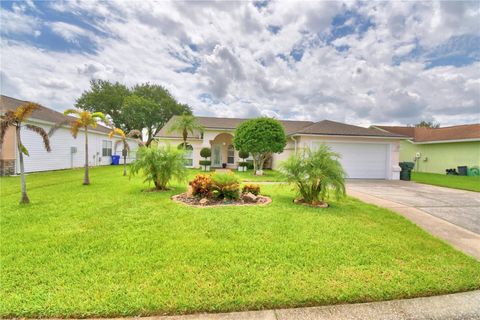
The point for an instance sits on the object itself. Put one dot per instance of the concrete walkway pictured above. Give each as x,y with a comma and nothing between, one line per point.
450,214
465,306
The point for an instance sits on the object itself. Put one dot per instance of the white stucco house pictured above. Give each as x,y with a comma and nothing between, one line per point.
367,153
66,153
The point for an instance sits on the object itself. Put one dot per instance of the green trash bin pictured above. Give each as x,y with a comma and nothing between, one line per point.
406,172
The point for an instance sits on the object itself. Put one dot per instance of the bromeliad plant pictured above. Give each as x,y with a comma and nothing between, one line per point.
124,141
315,174
159,165
226,186
15,119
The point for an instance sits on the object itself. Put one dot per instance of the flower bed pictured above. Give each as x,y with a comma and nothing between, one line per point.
220,189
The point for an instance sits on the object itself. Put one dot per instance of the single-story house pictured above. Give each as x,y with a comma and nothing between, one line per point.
66,153
437,149
367,153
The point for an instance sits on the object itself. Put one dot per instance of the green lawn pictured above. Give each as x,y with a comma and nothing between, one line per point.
109,249
471,183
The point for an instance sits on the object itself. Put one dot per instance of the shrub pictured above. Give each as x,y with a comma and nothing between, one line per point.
205,152
252,188
314,173
243,164
201,185
159,165
226,186
243,154
205,162
261,137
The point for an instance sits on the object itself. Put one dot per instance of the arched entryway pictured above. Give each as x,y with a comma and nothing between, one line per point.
223,152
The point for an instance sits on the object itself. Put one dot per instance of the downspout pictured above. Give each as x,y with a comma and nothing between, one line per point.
295,141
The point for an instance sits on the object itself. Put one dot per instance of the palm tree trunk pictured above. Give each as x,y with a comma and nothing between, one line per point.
86,178
125,164
24,198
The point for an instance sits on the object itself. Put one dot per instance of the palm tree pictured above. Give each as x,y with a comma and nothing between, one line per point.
186,123
123,139
16,119
84,120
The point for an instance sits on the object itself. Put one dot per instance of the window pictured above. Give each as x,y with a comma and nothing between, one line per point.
106,148
188,156
230,154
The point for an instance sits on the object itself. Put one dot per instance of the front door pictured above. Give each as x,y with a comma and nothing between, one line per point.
217,155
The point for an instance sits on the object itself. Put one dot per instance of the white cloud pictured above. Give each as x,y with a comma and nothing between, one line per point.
224,51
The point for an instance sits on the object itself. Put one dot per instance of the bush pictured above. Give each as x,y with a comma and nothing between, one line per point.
243,154
205,162
252,188
225,186
205,152
201,185
261,137
159,165
314,173
243,164
249,165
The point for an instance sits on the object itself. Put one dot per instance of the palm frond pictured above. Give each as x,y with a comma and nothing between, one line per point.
8,116
116,131
134,133
72,111
57,126
42,133
75,127
4,125
25,110
24,150
101,116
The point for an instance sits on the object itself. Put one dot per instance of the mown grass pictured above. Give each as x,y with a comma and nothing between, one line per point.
109,249
471,183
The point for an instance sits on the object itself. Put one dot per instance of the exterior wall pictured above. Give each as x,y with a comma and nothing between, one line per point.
437,157
7,153
61,157
175,142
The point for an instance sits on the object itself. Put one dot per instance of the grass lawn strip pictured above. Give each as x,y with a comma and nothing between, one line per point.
109,249
471,183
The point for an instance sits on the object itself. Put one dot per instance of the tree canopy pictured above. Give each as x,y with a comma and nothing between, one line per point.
145,106
427,124
261,137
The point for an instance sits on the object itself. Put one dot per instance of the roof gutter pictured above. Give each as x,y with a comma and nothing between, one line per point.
446,141
347,136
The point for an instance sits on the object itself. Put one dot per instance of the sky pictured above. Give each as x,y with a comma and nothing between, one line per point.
361,63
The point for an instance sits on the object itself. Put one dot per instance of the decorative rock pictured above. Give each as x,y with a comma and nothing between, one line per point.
250,197
203,201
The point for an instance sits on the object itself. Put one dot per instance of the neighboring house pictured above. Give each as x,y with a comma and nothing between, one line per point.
435,150
366,153
67,152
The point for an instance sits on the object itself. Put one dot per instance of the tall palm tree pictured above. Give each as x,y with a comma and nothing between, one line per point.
15,119
186,123
123,140
83,120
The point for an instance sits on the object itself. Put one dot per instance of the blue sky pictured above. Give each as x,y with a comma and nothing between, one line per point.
358,62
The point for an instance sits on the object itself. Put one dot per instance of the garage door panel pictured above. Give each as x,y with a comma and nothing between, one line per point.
362,160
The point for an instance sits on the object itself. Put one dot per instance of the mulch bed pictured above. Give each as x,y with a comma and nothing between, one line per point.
308,204
186,199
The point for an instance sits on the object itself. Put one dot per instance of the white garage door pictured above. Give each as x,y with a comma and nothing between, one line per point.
363,160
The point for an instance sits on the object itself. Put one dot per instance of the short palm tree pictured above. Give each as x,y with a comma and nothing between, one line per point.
15,119
83,120
185,124
315,174
123,140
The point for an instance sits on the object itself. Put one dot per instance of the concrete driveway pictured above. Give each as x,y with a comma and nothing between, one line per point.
451,214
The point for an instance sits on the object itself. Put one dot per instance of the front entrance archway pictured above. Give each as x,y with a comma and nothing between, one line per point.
223,152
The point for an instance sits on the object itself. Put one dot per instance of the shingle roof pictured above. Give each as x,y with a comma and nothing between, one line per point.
43,113
228,124
291,127
460,132
327,127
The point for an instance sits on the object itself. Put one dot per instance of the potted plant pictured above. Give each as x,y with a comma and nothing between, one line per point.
242,165
205,163
224,165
